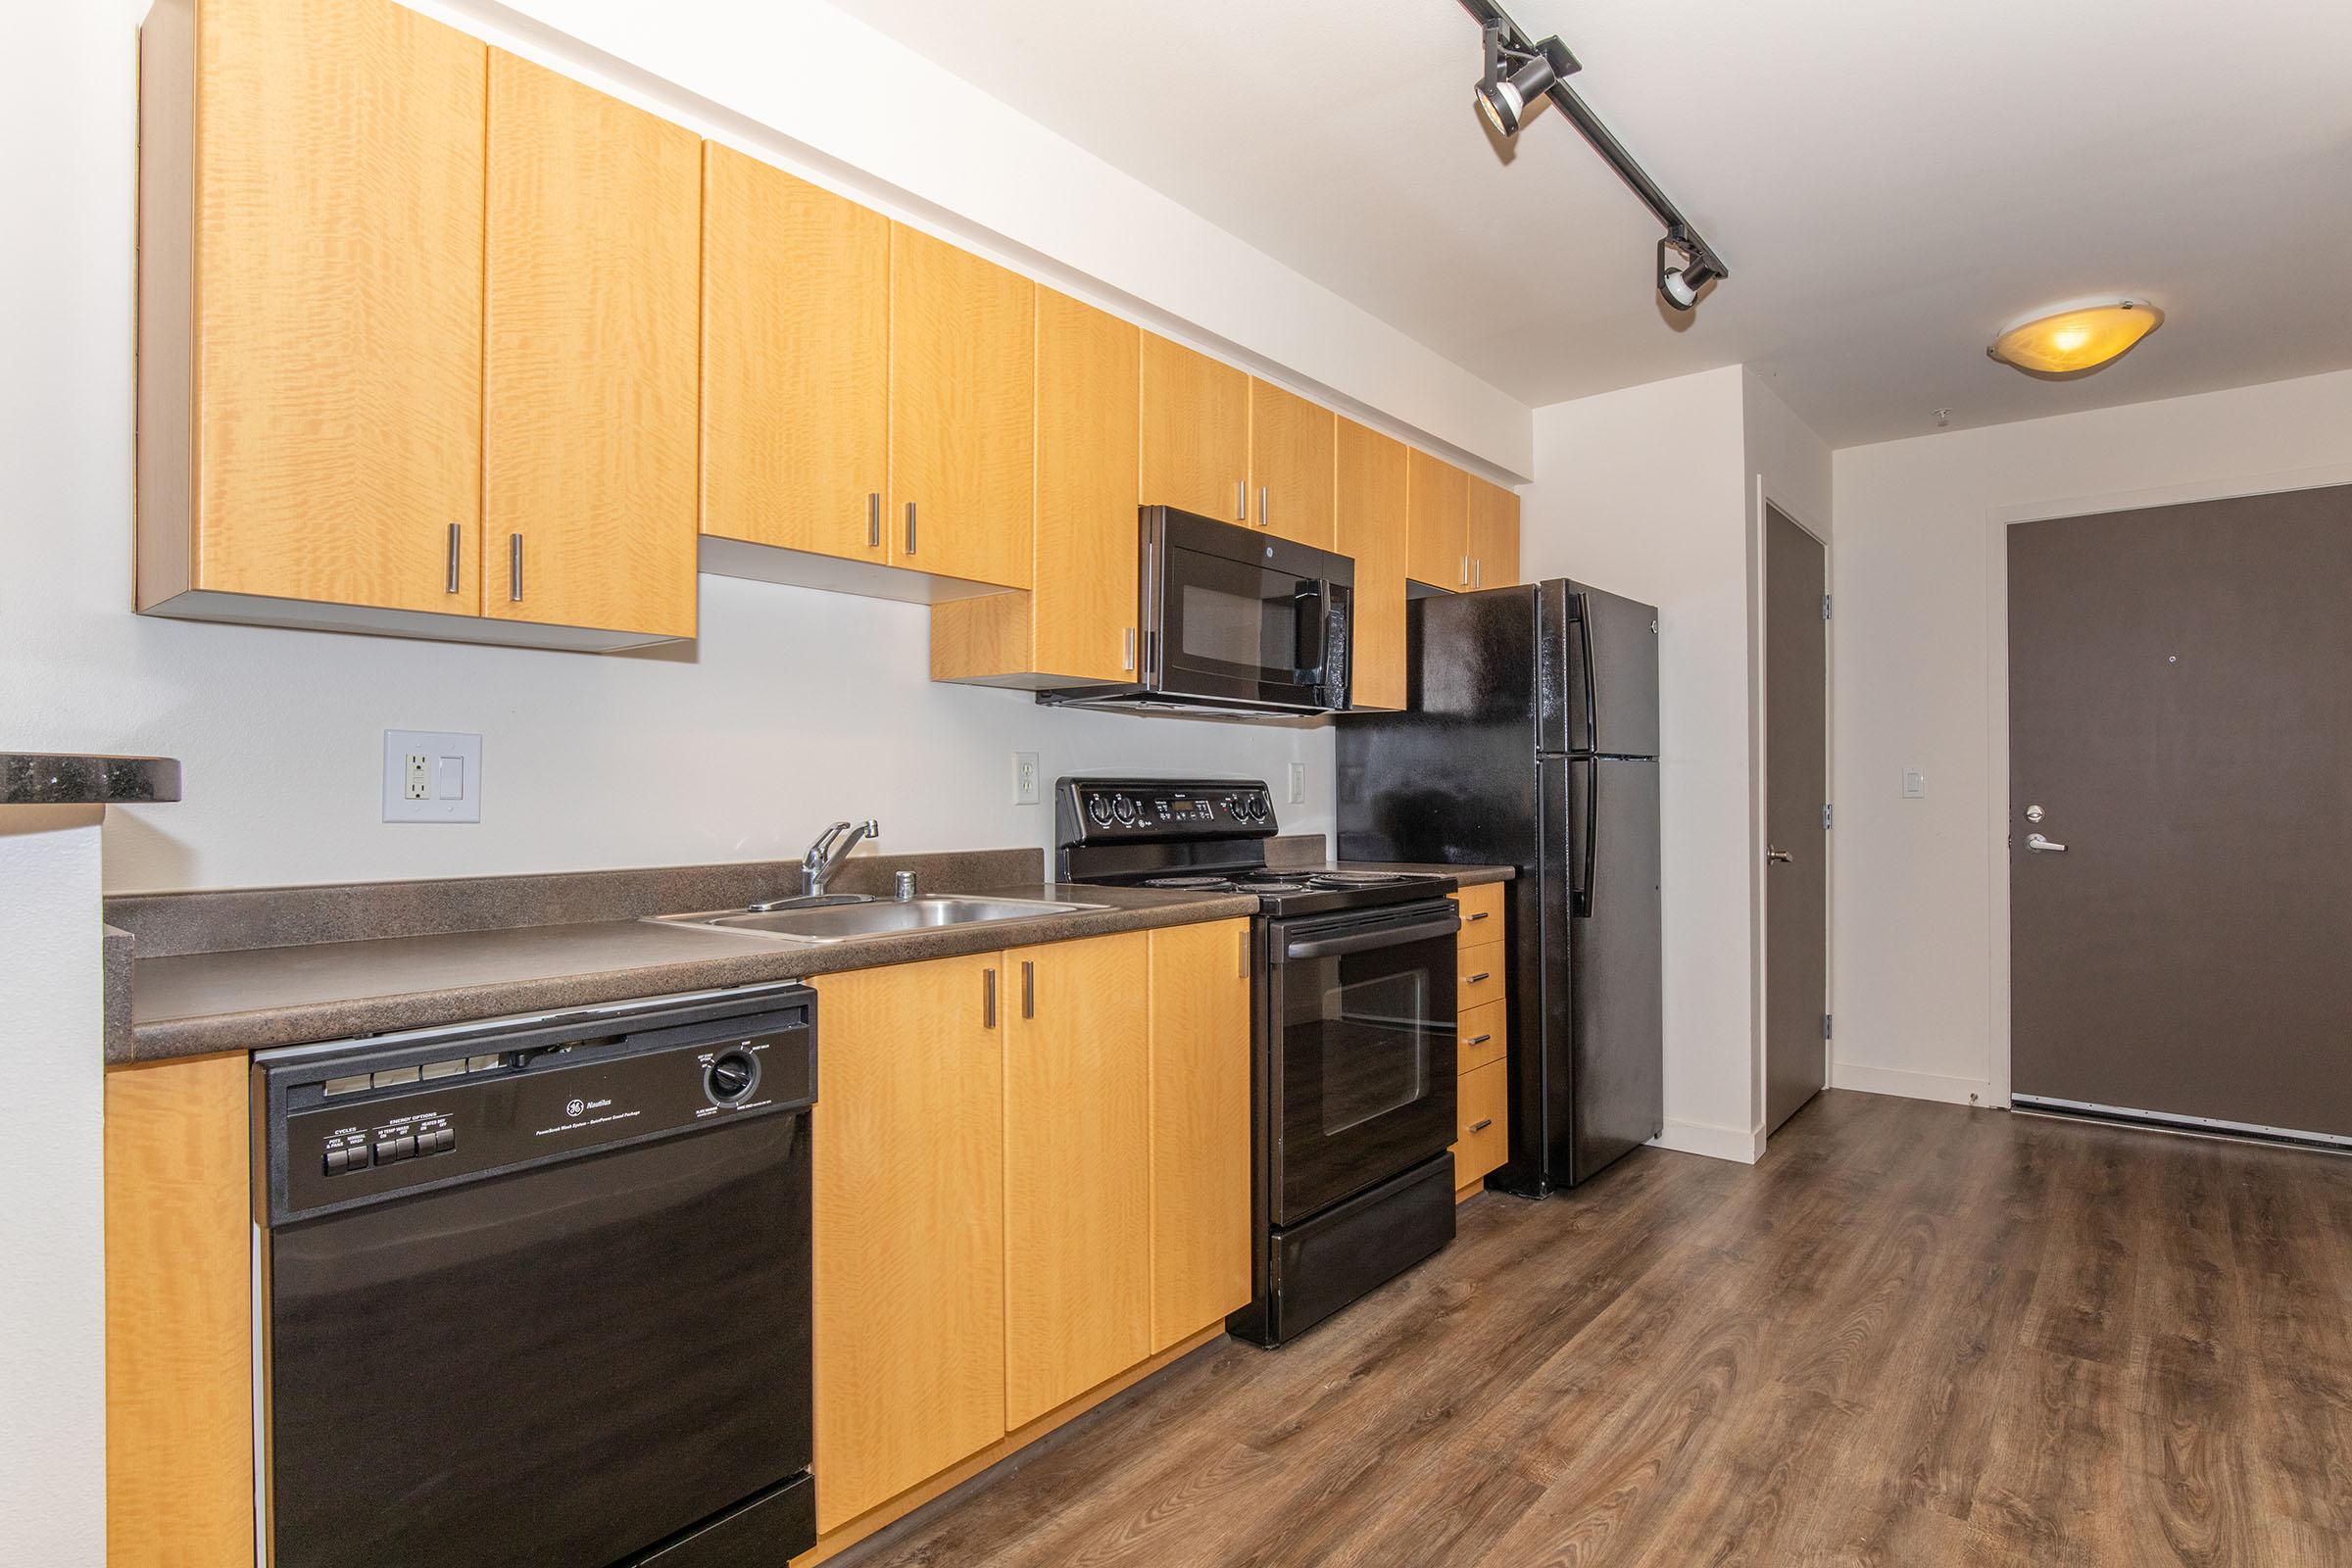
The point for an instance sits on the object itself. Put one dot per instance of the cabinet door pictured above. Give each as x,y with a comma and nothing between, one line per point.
1437,522
1195,432
1494,535
1291,464
589,359
1200,1126
338,306
963,413
796,361
1085,596
1371,500
1077,1170
909,1152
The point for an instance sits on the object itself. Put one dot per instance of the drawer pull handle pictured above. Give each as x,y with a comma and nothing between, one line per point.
1480,1127
1482,1040
1481,915
1487,974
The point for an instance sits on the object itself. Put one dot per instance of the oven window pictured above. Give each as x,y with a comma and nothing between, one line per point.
1375,1047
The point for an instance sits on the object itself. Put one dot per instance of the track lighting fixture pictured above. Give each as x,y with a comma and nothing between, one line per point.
1517,72
1684,266
1505,98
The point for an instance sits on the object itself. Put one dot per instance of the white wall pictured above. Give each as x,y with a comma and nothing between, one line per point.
52,1352
1919,951
793,708
1644,492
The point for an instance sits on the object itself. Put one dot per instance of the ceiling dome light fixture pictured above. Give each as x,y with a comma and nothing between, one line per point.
1506,99
2077,337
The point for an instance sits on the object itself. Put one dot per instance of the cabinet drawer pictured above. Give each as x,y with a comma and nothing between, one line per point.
1481,913
1481,1036
1479,971
1484,1095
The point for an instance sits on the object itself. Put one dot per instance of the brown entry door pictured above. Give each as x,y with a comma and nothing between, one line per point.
1796,885
2181,747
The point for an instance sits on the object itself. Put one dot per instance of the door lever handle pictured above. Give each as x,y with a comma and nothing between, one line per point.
1779,856
2042,846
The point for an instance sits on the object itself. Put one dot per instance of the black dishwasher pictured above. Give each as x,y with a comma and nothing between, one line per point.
537,1291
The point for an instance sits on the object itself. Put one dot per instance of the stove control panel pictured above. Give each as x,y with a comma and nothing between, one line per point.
1108,811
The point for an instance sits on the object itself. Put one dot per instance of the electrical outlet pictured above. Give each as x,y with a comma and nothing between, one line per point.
1298,783
432,777
1024,778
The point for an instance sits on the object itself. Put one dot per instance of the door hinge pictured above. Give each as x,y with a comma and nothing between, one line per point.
1824,819
1826,1033
1825,607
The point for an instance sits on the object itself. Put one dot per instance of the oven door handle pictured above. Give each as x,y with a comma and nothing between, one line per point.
1386,937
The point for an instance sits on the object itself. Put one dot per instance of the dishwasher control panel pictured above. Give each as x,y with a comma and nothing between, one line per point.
342,1130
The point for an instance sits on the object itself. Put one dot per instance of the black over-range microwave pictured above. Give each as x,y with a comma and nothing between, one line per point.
1233,620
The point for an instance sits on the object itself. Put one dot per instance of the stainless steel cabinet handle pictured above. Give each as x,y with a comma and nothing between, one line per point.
1465,572
1265,518
1028,988
1777,857
988,998
1127,660
1480,1040
514,568
911,527
1243,973
1241,499
1477,571
1482,1126
2042,846
873,519
457,543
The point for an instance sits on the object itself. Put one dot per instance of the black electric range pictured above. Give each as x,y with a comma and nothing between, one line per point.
1352,1048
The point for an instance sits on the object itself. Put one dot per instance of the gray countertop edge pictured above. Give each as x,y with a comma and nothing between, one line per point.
303,1023
64,778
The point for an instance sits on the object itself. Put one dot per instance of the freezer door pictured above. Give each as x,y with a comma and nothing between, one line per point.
1608,651
1617,1048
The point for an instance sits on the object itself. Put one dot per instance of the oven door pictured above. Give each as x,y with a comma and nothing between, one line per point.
1362,1054
1244,620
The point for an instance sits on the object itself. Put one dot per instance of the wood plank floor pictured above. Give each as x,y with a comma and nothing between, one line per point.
1911,1335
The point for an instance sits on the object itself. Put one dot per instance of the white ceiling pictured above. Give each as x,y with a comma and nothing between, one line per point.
1890,181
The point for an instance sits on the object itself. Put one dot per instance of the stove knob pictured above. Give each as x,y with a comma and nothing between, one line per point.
1098,806
1124,808
731,1078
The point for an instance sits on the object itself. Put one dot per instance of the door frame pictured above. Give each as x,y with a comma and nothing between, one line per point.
1998,520
1760,906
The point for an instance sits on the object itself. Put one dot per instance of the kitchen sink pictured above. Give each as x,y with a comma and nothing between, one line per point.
839,922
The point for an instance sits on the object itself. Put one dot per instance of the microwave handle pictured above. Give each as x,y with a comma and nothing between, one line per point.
1357,941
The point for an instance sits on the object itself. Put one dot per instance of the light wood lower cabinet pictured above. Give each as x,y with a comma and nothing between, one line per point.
908,1176
1200,1126
1077,1170
178,1315
1031,1174
1484,1106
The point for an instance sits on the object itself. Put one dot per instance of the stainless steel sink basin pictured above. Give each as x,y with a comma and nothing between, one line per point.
841,921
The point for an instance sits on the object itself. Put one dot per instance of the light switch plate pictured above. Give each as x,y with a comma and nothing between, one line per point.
1298,783
1024,779
432,776
1915,784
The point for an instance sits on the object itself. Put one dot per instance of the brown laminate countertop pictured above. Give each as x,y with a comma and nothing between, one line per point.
199,1003
1466,875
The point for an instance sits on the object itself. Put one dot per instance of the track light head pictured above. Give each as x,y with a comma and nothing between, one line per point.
1514,79
1684,268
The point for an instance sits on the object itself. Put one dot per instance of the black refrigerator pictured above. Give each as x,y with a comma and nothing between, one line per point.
1529,739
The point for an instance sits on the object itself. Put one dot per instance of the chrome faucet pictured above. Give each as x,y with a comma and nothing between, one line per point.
832,847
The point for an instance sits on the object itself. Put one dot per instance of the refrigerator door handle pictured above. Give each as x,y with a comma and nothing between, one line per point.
1583,890
1583,637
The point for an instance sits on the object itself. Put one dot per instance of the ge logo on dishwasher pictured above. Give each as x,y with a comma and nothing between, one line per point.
573,1107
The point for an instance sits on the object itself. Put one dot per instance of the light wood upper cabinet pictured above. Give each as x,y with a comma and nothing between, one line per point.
1494,541
1437,523
1195,432
1291,444
796,361
908,1170
1200,1126
963,413
310,288
1077,1170
589,358
1372,508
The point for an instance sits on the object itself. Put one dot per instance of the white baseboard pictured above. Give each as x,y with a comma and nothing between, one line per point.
1910,1085
1742,1144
